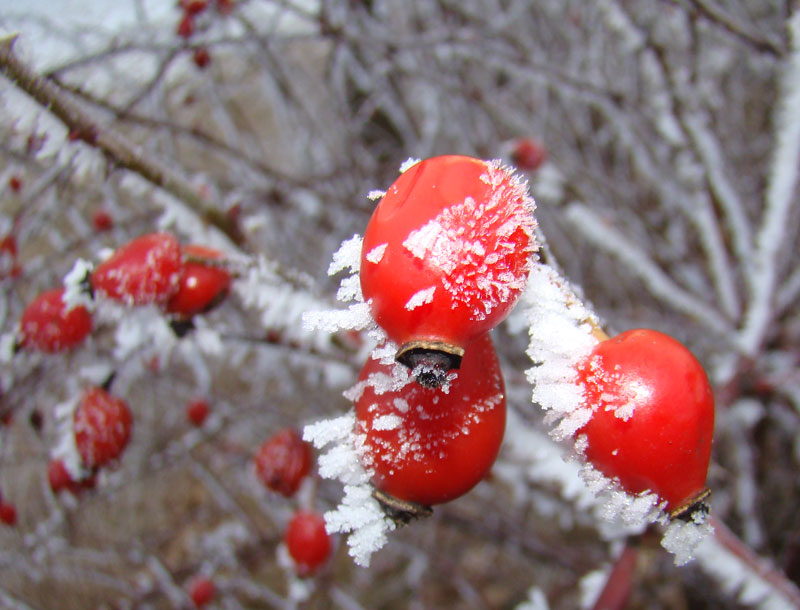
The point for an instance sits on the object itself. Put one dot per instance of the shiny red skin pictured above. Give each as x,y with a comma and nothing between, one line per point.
197,411
528,154
665,444
443,443
202,591
283,461
201,286
59,479
145,270
458,262
47,326
102,424
308,543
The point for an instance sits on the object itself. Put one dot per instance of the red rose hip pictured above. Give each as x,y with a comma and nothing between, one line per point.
425,445
102,426
48,325
446,254
307,541
202,285
145,270
652,416
283,461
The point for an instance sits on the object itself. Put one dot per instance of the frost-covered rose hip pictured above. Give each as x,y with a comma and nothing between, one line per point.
202,286
446,254
49,325
425,445
60,479
102,425
307,541
145,270
653,416
283,461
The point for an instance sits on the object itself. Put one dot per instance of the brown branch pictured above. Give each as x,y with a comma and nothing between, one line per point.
116,147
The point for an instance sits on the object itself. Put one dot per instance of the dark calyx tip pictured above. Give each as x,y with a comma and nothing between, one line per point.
694,509
400,511
430,361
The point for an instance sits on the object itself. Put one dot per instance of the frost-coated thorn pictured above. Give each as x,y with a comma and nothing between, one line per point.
400,511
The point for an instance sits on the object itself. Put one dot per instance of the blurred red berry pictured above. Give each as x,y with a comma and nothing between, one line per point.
202,286
8,514
47,325
15,183
201,590
102,221
186,26
283,461
59,479
9,264
102,427
193,7
528,154
226,6
201,57
307,541
145,270
197,411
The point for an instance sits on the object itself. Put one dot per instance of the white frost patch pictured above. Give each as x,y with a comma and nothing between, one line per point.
420,298
560,339
376,254
347,256
375,195
408,164
65,448
682,538
389,421
358,513
75,293
536,600
355,317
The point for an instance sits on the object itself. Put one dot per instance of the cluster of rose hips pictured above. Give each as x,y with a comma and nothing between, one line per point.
444,257
152,269
282,463
191,10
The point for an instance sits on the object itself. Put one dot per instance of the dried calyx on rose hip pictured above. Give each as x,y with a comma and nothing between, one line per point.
308,542
102,425
203,284
425,445
652,417
143,271
445,256
283,461
49,325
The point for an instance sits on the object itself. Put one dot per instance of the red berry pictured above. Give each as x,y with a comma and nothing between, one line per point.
308,543
102,427
59,479
193,7
201,286
283,461
48,326
186,26
528,154
8,514
102,221
15,183
201,590
428,446
447,252
226,6
197,411
145,270
9,265
652,415
201,57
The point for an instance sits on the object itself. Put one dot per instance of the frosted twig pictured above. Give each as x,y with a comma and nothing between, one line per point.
112,143
660,285
779,200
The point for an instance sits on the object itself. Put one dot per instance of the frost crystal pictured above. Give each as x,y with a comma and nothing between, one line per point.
74,291
358,513
408,164
475,243
682,538
347,256
375,195
420,298
376,254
